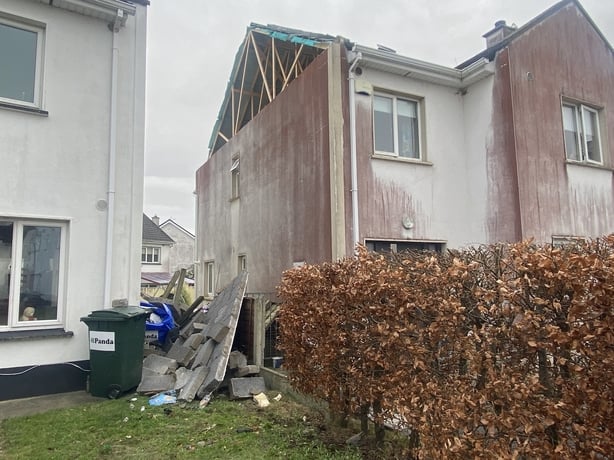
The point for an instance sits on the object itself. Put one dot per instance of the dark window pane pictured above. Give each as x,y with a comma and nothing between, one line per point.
6,251
18,61
382,119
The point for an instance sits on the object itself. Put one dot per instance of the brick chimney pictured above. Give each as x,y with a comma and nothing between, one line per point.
500,31
156,220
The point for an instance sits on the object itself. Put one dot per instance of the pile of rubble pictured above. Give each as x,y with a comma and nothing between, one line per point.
201,359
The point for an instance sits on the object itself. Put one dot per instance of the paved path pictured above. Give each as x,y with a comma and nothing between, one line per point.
38,404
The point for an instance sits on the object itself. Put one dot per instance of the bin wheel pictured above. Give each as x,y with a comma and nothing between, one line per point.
114,391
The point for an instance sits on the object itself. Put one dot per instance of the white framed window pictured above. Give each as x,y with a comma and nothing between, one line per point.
209,278
581,133
150,255
234,172
396,126
242,263
32,269
396,246
21,55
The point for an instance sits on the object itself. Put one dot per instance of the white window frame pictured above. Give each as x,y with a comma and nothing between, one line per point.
38,70
579,111
235,171
395,126
209,278
14,315
242,262
147,248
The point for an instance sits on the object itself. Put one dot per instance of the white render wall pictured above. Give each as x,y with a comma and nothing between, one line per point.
449,195
56,166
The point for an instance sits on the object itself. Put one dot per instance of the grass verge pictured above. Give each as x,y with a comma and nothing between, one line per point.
132,429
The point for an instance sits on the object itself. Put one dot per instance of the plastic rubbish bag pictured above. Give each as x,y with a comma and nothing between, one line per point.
165,397
159,322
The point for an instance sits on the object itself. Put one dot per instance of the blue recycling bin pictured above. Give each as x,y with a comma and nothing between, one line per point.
158,331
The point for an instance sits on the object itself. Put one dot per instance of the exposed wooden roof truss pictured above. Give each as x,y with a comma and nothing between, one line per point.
268,60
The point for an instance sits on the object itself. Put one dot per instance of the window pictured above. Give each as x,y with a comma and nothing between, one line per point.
21,58
31,272
581,133
210,279
400,246
396,126
234,171
242,265
150,255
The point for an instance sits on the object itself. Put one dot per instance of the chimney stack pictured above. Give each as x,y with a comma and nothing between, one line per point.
156,220
498,33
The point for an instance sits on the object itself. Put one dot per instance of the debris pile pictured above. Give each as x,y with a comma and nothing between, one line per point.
200,358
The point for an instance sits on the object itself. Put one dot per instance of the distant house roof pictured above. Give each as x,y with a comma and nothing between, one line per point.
154,234
160,278
490,52
175,224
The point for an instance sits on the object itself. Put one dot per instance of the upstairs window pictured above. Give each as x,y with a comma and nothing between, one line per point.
234,171
581,133
21,63
396,126
150,255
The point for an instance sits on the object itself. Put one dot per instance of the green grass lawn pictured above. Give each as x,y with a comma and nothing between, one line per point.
132,429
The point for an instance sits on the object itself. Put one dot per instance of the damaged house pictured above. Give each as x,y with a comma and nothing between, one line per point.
322,143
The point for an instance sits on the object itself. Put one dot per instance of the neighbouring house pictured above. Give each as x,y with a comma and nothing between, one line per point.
72,120
322,143
167,247
181,254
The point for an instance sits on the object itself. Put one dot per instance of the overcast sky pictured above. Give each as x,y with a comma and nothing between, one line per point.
191,45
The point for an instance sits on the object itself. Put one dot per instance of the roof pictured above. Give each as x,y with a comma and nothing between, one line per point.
175,224
153,233
160,278
266,50
489,53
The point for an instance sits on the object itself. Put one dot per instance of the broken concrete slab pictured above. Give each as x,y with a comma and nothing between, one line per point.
160,364
246,387
183,376
217,331
194,341
203,354
188,392
152,382
236,359
183,355
250,369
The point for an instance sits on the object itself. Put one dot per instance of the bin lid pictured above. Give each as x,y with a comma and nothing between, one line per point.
116,314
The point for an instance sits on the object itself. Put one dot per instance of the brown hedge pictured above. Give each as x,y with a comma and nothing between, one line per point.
501,351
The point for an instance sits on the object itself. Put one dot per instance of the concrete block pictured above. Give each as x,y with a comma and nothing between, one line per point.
160,364
152,382
188,392
217,331
236,359
183,376
183,355
203,354
247,370
194,341
246,387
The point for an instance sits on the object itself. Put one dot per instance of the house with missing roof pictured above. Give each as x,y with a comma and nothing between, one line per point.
72,121
322,143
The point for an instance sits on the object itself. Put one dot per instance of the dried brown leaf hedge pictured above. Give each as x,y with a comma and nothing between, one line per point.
489,352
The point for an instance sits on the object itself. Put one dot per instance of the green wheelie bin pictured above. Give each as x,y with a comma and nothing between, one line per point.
116,339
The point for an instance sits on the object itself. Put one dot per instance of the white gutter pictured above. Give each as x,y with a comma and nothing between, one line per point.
112,156
353,167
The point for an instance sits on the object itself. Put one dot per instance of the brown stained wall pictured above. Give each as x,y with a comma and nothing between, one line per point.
503,213
566,57
283,213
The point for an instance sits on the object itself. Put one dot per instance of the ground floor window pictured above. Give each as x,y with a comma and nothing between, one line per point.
404,245
150,254
31,272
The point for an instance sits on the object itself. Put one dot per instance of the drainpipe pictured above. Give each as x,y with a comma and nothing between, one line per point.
353,167
114,27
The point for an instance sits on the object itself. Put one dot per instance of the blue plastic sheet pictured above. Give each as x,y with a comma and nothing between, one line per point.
158,331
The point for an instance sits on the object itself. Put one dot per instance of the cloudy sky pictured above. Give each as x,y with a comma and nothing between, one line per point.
192,45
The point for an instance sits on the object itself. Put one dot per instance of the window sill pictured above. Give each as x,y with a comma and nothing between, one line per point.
24,108
588,165
35,334
401,159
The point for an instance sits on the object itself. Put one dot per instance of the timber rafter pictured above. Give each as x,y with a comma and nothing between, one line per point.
269,59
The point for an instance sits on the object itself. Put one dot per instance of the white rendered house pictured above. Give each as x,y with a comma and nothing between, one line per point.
72,117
